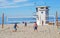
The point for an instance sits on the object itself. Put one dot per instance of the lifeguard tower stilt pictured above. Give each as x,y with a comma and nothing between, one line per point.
56,19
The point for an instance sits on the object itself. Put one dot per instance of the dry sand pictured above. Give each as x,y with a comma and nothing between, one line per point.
28,32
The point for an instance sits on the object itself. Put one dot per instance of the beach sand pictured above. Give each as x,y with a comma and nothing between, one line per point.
48,31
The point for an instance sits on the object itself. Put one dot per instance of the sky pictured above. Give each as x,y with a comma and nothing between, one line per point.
21,8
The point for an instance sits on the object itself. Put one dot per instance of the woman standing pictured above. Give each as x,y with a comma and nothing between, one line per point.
35,26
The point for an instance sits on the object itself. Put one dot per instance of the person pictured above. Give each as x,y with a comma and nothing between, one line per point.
15,27
35,26
25,24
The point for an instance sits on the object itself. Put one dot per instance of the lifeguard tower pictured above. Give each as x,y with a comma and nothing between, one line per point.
42,15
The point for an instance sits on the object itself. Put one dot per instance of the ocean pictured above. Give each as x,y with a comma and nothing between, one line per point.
17,20
20,20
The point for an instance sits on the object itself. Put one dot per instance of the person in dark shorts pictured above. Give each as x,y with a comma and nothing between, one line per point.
15,27
25,24
35,26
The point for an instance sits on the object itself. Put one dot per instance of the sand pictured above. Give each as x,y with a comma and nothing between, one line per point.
47,31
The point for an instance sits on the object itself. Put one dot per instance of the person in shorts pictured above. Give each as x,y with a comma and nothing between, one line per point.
15,27
25,23
35,26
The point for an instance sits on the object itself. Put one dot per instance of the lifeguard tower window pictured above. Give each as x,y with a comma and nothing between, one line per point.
36,9
46,7
42,7
42,12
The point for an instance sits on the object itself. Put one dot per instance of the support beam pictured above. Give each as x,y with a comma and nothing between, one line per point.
2,20
56,19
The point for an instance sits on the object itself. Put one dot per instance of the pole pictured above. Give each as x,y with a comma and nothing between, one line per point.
2,20
56,19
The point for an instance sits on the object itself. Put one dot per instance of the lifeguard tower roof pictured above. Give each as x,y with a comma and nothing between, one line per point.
42,6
